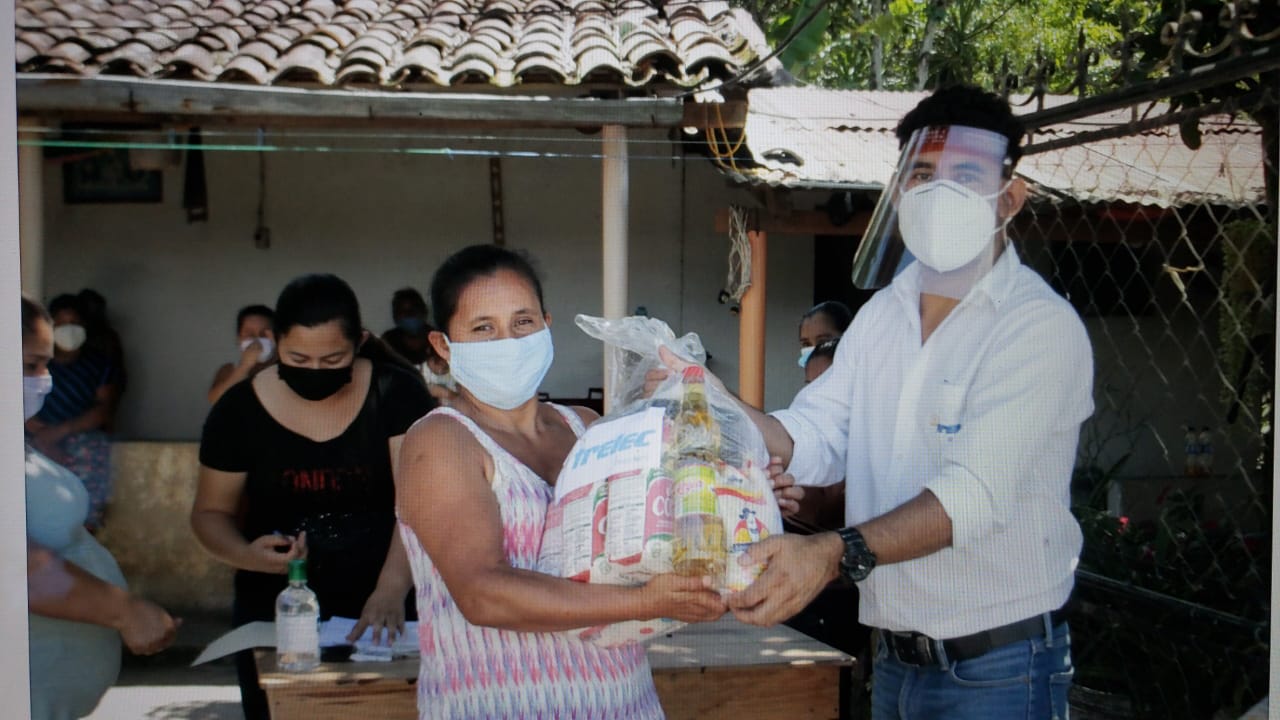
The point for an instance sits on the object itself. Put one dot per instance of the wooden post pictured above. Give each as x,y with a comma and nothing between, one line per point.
614,211
751,324
31,213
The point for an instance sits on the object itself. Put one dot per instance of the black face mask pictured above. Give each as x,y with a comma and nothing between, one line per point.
314,383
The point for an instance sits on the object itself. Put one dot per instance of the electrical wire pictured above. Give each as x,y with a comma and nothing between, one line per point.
759,63
714,145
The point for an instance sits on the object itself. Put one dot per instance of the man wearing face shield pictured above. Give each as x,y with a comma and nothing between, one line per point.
953,410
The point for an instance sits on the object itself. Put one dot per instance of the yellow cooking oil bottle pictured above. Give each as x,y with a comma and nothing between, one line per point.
699,547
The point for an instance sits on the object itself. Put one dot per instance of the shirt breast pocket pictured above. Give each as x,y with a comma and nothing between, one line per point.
944,415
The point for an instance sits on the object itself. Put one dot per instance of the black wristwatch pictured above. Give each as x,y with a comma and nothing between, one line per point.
858,561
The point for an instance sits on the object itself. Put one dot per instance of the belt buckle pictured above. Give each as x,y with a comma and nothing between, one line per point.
913,648
924,650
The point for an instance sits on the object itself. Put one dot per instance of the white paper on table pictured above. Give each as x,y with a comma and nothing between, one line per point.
334,632
249,635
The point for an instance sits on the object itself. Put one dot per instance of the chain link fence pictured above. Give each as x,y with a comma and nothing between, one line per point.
1169,254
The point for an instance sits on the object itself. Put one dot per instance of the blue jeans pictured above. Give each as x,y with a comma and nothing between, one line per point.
1026,679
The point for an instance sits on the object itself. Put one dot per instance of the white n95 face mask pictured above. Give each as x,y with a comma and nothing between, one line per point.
69,338
946,225
268,347
502,373
34,391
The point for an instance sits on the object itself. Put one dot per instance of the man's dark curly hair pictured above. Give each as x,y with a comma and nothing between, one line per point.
966,105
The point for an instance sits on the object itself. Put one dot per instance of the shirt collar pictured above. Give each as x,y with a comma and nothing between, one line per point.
996,285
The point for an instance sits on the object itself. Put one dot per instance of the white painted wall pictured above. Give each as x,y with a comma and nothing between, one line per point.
382,221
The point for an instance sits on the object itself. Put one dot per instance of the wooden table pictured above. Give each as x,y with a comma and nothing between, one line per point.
716,670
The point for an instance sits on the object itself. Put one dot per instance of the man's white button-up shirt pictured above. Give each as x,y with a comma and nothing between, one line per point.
985,415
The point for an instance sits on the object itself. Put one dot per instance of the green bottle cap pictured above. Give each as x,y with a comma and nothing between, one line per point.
298,570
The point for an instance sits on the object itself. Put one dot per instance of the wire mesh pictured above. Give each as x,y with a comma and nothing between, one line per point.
1174,478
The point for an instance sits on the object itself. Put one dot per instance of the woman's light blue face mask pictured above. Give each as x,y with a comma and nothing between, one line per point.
502,373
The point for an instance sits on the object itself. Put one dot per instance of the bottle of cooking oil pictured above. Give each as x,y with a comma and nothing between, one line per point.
699,547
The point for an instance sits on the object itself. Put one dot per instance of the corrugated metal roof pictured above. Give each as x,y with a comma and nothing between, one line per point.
812,137
390,44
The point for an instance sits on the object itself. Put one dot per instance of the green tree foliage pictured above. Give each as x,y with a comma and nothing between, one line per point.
921,44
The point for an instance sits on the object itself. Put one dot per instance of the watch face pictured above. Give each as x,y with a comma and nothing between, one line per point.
858,560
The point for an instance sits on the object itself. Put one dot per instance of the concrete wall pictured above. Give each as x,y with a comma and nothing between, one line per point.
382,221
147,531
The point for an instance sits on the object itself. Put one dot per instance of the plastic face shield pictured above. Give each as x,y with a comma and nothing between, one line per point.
945,195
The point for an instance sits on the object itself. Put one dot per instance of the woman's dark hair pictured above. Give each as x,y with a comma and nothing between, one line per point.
67,301
254,311
469,263
312,300
970,106
94,305
837,312
408,296
824,349
31,312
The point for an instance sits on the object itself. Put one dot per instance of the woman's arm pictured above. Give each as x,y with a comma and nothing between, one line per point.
443,493
213,519
385,607
63,590
223,379
97,416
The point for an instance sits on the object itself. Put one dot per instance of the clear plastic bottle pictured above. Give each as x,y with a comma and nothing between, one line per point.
699,546
297,623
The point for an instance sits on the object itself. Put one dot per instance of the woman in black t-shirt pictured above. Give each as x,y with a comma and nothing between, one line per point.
298,460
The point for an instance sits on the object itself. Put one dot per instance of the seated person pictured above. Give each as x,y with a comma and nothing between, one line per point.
71,428
257,342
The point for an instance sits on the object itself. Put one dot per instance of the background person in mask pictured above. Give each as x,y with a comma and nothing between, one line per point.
72,426
409,339
409,336
305,451
822,322
79,609
472,493
256,342
953,410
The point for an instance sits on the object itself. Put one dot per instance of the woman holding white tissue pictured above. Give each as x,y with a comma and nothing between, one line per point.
79,609
257,343
472,493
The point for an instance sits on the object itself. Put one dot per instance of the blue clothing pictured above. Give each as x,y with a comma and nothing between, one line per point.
72,663
75,390
75,387
1027,679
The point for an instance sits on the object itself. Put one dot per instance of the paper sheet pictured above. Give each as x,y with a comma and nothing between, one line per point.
249,635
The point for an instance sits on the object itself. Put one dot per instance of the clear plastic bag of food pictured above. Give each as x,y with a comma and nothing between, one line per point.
673,480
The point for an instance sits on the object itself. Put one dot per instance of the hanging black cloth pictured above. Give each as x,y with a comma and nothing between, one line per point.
195,192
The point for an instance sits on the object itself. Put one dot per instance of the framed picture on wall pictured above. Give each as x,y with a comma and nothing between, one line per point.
106,176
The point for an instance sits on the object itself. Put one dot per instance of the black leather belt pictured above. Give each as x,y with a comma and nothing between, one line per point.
917,649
